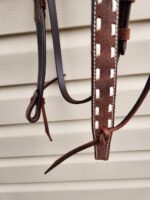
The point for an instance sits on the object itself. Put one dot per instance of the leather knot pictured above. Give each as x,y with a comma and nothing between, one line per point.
104,135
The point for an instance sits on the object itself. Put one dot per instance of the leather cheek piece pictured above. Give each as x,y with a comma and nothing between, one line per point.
124,34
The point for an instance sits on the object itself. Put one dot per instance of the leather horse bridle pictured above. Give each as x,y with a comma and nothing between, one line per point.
109,34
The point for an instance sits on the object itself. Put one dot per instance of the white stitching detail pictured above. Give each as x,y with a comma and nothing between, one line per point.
98,24
112,73
110,108
97,93
97,74
113,29
114,5
109,123
98,49
97,124
99,1
111,91
97,111
112,52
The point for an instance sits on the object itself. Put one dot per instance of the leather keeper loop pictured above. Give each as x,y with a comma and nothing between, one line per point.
43,4
124,34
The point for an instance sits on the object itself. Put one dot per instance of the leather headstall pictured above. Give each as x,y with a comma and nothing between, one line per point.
109,34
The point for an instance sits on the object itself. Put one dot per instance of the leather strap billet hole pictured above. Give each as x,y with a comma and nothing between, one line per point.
97,73
97,93
110,108
98,24
98,49
97,109
112,52
114,5
113,29
112,73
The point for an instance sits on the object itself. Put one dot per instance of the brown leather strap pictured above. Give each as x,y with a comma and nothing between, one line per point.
105,133
124,15
104,69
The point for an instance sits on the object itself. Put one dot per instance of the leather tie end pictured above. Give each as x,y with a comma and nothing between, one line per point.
45,120
105,134
49,169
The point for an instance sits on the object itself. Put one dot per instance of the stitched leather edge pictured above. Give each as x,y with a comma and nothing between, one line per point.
101,150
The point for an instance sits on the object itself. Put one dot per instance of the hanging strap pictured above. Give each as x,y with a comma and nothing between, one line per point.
58,56
37,101
105,133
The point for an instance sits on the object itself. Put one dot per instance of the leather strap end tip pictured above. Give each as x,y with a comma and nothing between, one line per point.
50,168
51,140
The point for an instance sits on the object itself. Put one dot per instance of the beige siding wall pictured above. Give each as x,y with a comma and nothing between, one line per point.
25,151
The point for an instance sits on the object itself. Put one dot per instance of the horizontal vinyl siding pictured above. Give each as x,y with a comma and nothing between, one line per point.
108,190
76,55
19,17
25,152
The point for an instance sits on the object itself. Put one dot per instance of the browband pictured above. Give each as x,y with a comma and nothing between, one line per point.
109,34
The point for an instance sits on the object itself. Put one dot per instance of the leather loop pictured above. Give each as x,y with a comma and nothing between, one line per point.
124,34
58,56
38,108
31,107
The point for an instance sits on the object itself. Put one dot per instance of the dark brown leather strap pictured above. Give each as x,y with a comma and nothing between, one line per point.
58,56
105,133
34,103
41,40
124,15
37,101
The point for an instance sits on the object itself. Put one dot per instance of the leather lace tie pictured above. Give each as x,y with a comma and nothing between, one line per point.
106,132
